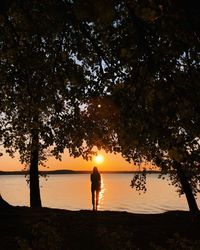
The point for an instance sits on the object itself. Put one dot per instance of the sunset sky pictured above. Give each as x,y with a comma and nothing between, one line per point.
111,162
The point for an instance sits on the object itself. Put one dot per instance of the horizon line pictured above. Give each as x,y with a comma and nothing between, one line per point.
69,171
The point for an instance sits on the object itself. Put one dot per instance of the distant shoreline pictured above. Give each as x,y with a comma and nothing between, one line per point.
55,172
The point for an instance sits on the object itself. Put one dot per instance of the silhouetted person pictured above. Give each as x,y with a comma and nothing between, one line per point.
95,187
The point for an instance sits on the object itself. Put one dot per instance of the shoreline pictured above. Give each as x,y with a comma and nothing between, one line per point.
54,172
48,228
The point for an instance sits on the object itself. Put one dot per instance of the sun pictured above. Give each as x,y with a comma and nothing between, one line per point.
99,159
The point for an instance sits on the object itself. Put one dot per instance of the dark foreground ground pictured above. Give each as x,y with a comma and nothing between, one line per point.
25,228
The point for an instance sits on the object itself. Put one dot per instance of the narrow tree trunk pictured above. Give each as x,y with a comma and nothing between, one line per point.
35,200
187,189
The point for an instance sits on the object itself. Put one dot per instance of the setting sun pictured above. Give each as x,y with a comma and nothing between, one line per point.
99,159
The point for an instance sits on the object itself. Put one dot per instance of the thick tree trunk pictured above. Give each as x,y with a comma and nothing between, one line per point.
187,189
35,200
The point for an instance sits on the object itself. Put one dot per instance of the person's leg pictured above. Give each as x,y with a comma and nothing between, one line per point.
93,201
97,199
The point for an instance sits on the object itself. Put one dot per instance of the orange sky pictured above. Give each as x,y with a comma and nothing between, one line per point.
111,163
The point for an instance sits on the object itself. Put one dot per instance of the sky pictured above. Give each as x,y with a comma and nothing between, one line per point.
111,162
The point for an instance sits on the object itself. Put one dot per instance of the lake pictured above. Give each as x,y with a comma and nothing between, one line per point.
72,192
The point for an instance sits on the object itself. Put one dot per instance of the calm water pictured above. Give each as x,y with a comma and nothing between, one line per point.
72,191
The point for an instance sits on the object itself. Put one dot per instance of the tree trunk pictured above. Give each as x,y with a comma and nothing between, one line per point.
4,204
187,189
35,200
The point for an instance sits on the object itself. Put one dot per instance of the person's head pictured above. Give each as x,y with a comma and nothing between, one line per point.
95,169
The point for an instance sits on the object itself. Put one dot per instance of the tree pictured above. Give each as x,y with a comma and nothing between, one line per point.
154,100
138,60
49,65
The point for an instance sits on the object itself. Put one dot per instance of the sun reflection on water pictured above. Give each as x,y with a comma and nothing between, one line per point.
101,194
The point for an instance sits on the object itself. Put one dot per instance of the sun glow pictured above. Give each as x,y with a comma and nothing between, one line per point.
99,159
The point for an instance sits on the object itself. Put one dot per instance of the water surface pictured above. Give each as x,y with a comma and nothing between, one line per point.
72,191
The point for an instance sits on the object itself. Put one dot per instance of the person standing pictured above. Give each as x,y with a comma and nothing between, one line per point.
95,178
